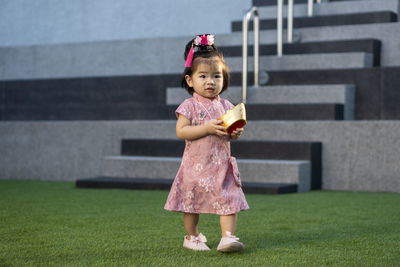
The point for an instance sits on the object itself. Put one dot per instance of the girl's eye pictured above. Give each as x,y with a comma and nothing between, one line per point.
202,76
218,76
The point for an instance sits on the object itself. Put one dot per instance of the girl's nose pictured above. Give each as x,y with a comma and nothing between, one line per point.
210,81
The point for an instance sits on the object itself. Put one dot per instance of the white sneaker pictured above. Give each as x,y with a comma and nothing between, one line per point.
196,242
230,243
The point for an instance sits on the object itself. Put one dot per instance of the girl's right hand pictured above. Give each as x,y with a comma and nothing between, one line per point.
215,127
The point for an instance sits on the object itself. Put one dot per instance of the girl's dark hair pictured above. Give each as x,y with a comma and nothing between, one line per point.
207,51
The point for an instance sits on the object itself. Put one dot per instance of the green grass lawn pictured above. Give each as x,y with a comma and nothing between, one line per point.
56,224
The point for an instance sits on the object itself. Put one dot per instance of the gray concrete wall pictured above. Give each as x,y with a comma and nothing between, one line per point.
357,155
25,22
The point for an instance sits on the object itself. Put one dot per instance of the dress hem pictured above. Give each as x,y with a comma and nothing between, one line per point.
202,212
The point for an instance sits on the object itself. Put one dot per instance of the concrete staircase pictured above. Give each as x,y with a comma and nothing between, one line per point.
288,164
271,162
323,100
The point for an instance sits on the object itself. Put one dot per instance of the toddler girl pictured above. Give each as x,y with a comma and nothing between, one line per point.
208,179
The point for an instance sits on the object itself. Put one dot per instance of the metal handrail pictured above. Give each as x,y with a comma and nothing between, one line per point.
290,21
279,22
279,26
311,6
256,45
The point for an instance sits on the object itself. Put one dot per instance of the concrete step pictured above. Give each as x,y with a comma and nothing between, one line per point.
384,32
326,20
268,150
332,8
372,46
285,94
165,184
375,95
252,170
367,82
306,62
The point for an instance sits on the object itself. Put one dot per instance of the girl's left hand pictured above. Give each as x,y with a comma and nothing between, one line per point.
236,133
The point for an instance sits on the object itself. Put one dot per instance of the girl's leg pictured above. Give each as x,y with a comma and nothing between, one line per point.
191,222
228,223
229,242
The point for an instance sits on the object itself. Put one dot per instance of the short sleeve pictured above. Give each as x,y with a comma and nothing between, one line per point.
186,109
226,104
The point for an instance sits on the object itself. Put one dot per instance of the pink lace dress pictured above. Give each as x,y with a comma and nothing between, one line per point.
208,180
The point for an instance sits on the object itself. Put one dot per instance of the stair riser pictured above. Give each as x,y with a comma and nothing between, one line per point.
115,112
240,149
277,173
292,112
137,168
165,184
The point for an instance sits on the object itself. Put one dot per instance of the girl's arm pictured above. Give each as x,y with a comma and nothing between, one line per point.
189,132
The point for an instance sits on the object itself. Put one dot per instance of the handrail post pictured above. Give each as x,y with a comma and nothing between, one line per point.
279,29
256,30
290,21
310,7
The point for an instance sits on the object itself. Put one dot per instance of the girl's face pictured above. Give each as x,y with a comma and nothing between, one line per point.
207,80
